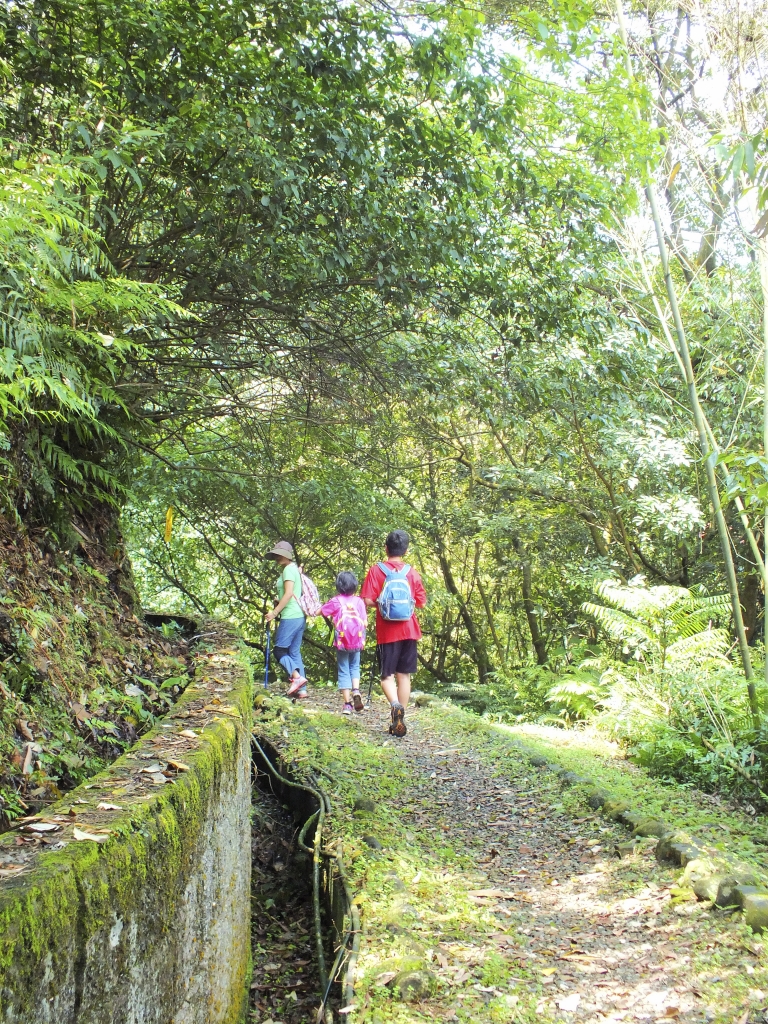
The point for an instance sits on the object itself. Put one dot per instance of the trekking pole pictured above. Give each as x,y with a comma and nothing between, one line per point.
266,661
373,673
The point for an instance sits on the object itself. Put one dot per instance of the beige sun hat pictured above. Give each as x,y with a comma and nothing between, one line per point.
281,550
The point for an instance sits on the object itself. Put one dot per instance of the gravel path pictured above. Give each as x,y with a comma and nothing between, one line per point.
607,939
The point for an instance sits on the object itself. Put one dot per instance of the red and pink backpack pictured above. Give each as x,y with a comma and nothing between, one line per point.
350,623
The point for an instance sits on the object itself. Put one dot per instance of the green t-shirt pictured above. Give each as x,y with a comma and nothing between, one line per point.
292,609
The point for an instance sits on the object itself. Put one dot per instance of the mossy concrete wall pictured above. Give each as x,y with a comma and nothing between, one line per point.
151,926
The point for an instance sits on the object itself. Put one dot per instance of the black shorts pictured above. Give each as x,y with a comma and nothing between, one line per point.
399,656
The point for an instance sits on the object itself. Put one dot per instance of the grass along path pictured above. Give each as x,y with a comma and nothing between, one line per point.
500,891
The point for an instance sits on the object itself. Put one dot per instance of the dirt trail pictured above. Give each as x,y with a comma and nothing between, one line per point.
604,937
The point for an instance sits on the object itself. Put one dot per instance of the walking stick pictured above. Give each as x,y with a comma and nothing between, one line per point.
373,673
266,661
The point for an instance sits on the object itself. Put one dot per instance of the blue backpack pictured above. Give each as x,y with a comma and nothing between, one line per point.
396,601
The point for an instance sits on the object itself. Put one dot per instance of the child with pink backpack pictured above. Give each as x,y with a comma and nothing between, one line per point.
350,618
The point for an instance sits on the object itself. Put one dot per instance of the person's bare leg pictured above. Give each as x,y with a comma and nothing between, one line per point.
347,695
403,688
389,687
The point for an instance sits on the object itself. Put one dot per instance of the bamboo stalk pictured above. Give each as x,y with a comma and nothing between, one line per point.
752,540
762,249
710,457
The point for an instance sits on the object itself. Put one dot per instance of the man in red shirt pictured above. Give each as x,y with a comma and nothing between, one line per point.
397,628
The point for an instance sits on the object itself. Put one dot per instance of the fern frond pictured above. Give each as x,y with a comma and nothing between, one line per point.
664,623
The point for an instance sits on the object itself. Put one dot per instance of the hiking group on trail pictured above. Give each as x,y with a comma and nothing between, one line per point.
392,587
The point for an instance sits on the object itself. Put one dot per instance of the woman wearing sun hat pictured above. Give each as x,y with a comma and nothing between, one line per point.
290,629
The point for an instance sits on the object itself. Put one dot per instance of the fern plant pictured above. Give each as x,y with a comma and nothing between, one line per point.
662,626
70,329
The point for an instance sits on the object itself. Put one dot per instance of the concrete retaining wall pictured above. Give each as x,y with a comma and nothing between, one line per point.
151,926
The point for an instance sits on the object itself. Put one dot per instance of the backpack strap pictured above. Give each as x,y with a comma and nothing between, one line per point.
389,573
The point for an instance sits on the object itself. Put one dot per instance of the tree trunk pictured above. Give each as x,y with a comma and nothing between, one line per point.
539,644
751,599
487,605
478,645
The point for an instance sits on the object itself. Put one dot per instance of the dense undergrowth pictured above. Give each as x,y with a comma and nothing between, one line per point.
691,725
81,677
657,679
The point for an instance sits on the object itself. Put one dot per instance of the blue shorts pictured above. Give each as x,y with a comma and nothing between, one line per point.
348,668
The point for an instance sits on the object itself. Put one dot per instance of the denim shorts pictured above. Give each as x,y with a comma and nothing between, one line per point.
348,668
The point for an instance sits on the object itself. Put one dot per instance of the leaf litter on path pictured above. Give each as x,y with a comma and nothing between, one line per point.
598,938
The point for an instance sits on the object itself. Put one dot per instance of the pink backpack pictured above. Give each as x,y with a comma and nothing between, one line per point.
350,625
309,599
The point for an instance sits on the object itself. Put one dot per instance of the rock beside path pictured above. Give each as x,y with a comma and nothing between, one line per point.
412,986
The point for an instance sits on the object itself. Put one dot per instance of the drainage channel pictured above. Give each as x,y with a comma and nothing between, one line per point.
305,929
286,979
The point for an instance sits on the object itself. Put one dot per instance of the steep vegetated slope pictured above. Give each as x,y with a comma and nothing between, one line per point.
81,676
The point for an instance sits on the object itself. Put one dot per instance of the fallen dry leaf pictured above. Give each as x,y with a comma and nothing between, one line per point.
80,834
385,978
178,766
42,826
569,1003
491,894
189,733
26,732
108,807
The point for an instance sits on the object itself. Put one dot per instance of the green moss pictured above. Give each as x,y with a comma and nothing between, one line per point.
413,894
73,893
588,755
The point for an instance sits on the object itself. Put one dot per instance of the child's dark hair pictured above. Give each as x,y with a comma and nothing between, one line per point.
346,583
397,543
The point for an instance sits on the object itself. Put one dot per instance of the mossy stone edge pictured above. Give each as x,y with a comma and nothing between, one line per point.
154,924
708,873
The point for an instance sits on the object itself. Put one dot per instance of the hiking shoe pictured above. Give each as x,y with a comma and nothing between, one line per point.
347,709
297,684
357,698
397,728
301,695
